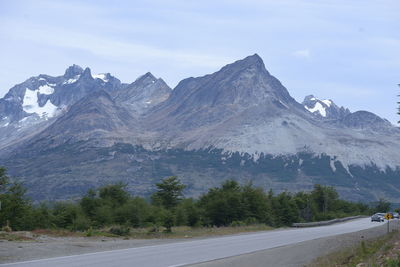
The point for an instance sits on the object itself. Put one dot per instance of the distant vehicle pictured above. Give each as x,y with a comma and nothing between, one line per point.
395,215
378,217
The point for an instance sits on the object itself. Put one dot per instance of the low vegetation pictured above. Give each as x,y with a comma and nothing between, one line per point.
111,209
383,251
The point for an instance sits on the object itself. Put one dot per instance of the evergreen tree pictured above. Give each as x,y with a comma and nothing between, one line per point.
169,192
382,206
14,206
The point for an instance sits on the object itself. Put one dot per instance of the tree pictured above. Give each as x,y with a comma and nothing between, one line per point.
169,192
256,204
325,197
14,206
221,206
133,213
382,205
305,206
115,194
168,221
285,209
89,203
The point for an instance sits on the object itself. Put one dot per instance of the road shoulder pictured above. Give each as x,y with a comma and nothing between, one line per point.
299,254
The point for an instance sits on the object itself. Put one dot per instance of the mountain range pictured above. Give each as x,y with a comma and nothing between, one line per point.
63,135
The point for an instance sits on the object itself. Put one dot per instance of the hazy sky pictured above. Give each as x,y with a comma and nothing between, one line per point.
345,50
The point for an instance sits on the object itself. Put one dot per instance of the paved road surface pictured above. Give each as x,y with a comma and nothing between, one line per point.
195,251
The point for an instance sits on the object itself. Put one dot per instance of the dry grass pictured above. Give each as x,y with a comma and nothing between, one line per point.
183,231
16,236
190,232
57,233
136,233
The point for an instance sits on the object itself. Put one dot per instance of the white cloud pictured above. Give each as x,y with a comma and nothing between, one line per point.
304,53
112,48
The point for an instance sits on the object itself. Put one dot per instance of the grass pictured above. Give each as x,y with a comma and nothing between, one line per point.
137,233
382,251
190,232
183,231
57,233
15,236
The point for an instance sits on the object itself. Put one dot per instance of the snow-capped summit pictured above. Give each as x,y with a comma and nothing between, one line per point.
44,97
324,108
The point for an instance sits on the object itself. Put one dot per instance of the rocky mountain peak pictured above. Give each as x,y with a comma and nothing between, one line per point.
73,71
86,74
243,83
145,92
252,60
251,66
146,80
366,120
147,76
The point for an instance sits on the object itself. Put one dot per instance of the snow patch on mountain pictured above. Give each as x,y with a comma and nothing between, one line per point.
318,107
72,80
101,76
31,105
327,102
45,90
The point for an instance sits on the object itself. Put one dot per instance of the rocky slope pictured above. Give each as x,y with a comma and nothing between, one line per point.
239,122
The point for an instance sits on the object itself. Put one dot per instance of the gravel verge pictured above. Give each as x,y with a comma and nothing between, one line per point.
47,247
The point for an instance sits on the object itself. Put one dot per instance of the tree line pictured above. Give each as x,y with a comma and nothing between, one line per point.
231,204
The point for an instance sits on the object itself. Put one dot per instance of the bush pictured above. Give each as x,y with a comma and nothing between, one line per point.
120,230
154,228
89,232
103,215
7,228
237,223
81,223
134,212
251,221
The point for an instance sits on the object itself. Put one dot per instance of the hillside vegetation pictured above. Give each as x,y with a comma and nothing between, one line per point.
231,204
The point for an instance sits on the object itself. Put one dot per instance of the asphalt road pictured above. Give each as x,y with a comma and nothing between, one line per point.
196,251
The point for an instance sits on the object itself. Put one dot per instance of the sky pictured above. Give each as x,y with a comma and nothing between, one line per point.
344,50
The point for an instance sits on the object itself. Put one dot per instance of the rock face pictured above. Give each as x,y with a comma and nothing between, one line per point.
239,122
31,106
144,93
95,117
367,120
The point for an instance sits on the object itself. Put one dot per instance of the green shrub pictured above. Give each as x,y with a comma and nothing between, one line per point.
81,223
251,221
120,230
7,227
237,223
89,232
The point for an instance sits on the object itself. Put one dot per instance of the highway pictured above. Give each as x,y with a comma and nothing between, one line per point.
199,250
